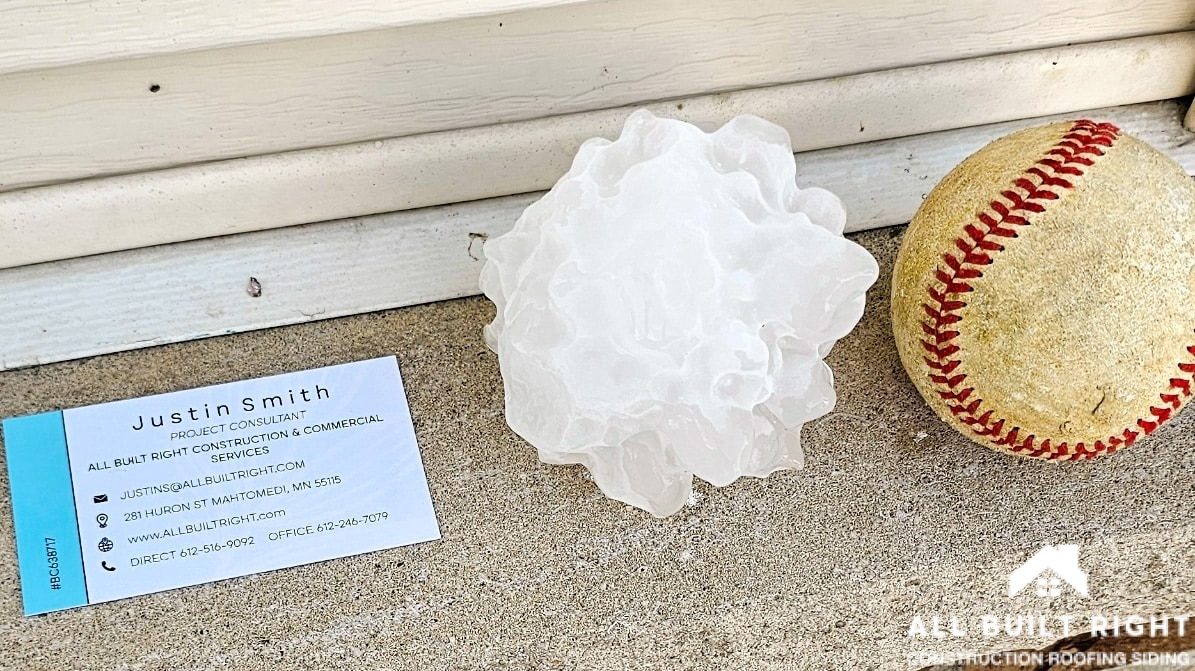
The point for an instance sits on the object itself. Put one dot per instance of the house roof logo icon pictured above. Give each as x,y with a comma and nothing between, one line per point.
1062,561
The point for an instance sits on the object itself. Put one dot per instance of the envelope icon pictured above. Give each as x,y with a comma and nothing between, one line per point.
99,498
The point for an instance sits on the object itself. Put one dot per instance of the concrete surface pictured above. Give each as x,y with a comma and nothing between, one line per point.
895,515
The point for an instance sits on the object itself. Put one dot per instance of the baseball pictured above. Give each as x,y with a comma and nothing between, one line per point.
1043,300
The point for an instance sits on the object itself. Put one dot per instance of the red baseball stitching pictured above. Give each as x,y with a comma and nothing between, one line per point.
1031,191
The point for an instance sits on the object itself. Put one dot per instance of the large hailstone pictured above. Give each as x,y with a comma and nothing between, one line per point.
664,310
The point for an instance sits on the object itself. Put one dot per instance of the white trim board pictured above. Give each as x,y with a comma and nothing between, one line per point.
101,118
278,190
125,300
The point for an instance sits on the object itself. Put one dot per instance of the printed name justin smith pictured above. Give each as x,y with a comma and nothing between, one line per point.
221,448
248,404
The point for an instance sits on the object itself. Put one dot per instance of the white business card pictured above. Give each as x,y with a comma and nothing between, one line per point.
153,493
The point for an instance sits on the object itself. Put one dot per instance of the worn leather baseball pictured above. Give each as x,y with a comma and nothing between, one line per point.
1043,300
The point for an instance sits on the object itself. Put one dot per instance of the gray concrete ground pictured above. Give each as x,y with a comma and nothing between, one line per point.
894,516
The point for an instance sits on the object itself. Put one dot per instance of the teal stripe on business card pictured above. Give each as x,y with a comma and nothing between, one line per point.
43,511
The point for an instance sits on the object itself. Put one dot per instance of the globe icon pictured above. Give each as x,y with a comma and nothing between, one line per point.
105,544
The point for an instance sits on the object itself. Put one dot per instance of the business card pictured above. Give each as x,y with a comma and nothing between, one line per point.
148,494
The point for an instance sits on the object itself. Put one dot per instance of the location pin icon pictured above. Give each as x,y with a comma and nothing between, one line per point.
102,520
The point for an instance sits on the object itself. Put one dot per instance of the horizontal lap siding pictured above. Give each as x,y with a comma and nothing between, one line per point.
190,290
102,118
40,34
125,212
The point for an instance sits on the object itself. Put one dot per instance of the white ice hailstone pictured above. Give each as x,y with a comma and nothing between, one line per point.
664,310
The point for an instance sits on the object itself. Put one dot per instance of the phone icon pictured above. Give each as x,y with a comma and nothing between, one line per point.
105,566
